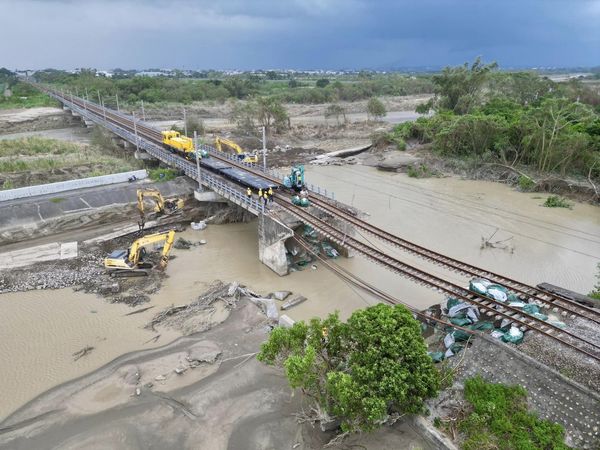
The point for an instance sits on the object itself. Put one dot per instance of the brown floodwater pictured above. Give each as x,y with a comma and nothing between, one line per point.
42,329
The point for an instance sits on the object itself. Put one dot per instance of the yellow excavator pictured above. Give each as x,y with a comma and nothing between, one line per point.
130,262
161,205
242,156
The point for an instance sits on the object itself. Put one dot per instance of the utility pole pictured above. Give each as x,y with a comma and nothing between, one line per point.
184,122
104,110
99,100
117,97
264,149
87,99
137,139
143,112
197,147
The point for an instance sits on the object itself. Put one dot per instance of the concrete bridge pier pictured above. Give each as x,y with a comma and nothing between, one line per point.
271,243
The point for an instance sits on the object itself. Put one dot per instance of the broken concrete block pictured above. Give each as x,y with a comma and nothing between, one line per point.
286,321
280,295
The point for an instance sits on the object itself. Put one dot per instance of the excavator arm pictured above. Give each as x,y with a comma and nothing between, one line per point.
136,248
246,157
164,259
162,205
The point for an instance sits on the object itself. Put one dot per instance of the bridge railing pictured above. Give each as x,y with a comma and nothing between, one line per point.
189,168
272,172
234,194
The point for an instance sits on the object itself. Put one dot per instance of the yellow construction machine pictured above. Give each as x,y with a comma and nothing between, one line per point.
243,156
161,205
130,262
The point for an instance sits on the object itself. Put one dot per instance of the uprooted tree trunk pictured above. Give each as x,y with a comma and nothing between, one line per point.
500,244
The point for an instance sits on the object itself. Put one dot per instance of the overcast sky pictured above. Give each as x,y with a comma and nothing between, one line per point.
302,34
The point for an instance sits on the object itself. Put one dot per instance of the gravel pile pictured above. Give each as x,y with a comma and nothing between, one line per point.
86,271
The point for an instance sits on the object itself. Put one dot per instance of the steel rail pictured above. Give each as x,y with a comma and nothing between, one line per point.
461,267
362,284
437,283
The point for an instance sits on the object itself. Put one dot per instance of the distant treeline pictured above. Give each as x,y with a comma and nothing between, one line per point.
155,89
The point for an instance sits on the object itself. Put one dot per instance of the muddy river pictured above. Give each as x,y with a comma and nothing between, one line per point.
42,329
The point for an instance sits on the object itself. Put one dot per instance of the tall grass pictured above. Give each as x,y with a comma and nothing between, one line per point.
34,145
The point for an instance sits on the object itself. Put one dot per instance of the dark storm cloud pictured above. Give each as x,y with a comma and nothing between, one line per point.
297,33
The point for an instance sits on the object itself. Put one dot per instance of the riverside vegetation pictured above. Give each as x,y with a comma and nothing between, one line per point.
521,121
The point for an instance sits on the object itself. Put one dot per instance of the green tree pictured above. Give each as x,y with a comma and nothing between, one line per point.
243,115
375,108
458,89
322,82
554,138
271,114
361,371
335,110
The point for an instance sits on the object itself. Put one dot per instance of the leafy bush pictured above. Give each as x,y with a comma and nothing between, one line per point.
421,171
381,139
7,184
526,184
554,201
499,419
359,371
162,174
375,108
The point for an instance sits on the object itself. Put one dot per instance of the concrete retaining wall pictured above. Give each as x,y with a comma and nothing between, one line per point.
62,186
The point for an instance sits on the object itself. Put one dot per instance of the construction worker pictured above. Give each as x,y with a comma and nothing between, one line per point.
249,193
270,194
266,197
260,193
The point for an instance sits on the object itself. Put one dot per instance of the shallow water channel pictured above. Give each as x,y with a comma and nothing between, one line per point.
42,329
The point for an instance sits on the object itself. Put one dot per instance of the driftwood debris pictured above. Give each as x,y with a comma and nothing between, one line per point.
229,294
83,352
164,314
137,311
500,244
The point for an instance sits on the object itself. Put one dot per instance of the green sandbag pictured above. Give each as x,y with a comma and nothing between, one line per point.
452,302
531,309
460,335
513,336
456,348
482,326
461,322
540,316
436,356
513,298
479,285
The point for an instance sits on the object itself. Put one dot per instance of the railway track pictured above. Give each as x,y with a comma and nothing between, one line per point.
490,306
525,291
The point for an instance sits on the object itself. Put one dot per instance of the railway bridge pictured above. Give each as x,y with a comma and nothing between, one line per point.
274,227
337,222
